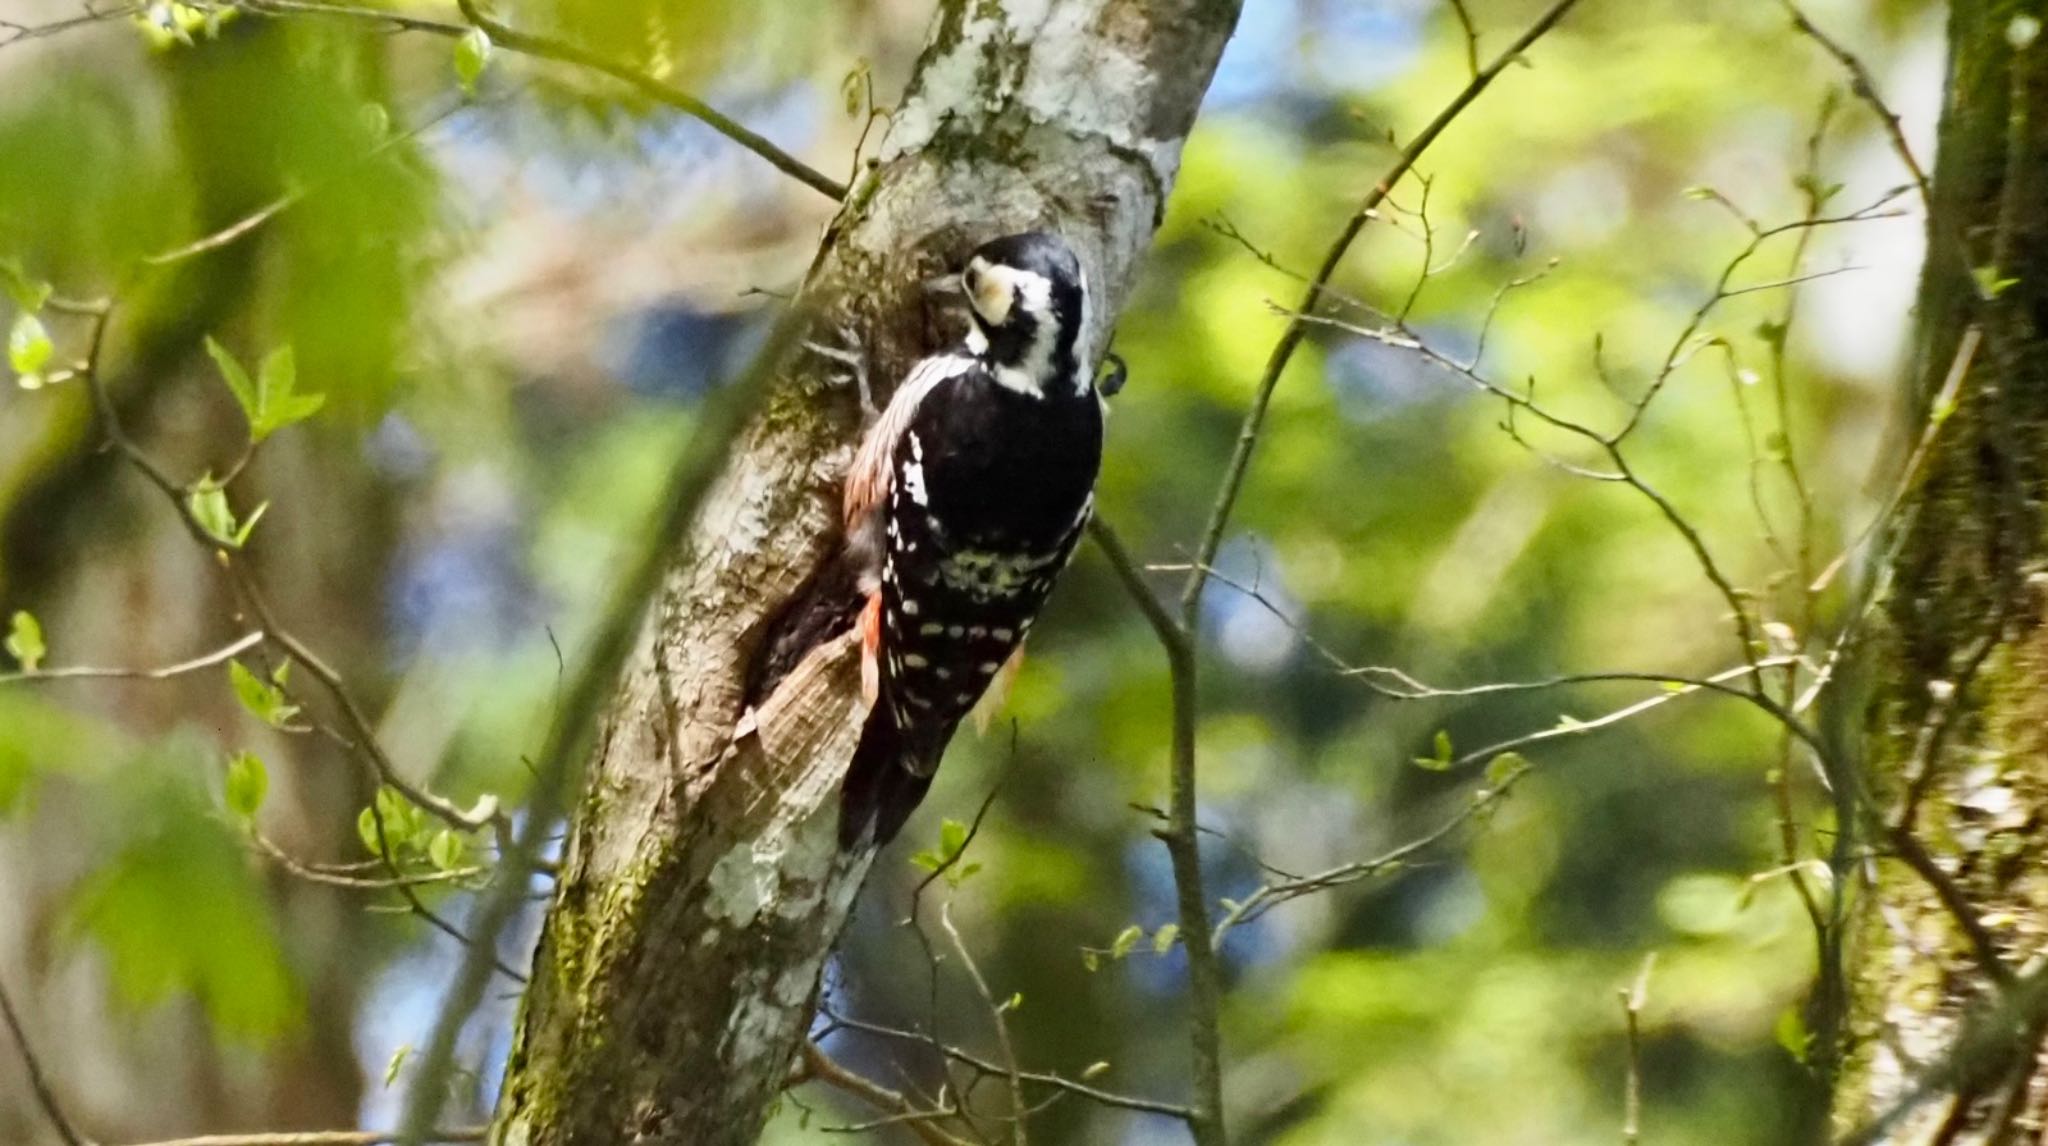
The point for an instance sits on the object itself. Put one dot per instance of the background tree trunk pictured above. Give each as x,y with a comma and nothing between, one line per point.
703,888
1959,715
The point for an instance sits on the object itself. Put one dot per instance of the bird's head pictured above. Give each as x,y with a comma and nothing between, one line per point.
1027,302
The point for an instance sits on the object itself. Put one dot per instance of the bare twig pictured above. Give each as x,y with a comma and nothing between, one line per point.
12,33
322,1138
998,1016
214,659
330,876
821,1067
1632,999
1471,33
548,48
1290,339
1035,1078
37,1082
1864,85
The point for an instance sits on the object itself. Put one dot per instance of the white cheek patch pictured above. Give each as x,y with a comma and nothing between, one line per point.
993,292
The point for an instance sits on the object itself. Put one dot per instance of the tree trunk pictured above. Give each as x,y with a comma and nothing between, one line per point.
1945,1015
703,886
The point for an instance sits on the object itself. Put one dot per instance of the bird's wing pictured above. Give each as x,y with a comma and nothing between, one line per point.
867,482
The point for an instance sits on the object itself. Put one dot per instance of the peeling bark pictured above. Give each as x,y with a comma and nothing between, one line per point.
702,889
1959,716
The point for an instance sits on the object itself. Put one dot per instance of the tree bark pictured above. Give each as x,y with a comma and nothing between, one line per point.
1945,1016
703,886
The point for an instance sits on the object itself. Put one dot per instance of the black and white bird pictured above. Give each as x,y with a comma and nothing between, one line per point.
964,503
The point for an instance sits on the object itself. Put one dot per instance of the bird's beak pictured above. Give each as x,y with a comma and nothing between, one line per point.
948,283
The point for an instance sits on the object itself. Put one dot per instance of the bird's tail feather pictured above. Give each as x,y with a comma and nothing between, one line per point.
884,784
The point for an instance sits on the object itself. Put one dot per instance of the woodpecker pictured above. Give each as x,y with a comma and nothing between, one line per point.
964,503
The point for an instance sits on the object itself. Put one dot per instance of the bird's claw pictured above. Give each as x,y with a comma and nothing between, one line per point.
847,352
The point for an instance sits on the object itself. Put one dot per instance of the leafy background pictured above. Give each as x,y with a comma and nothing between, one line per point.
514,300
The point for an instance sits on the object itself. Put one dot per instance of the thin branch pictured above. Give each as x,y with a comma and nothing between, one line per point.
330,877
322,1138
1127,572
243,580
561,51
15,33
1864,85
821,1067
214,659
1471,33
996,1013
249,223
1290,339
1632,1000
37,1082
1036,1078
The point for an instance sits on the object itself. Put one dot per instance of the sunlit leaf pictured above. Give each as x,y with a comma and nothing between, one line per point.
263,700
472,55
208,504
447,849
1125,940
177,911
248,781
28,344
25,641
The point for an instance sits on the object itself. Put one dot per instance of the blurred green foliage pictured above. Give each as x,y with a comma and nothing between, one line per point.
511,299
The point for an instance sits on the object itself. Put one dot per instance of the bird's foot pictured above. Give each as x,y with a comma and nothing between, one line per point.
851,356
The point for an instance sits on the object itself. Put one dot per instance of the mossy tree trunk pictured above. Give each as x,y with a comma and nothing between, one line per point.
1945,1011
703,887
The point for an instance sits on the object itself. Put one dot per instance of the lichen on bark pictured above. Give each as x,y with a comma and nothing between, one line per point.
1958,755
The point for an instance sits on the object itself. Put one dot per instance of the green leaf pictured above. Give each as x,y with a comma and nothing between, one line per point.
447,849
366,830
237,379
28,344
25,641
1162,939
1090,960
208,504
270,401
279,402
1505,767
1989,283
928,860
1095,1070
28,294
952,837
1791,1033
472,53
178,911
1125,940
854,87
403,822
1943,410
397,1063
1442,759
248,525
265,701
247,783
